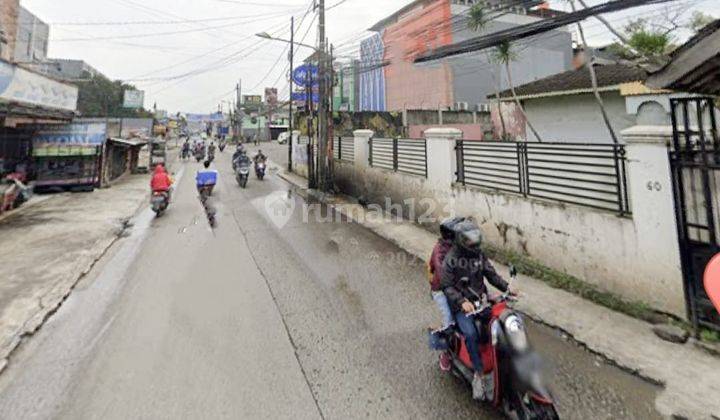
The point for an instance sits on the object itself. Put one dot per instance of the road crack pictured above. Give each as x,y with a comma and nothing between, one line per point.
282,317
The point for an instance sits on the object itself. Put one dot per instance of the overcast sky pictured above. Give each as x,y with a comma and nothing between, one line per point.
193,57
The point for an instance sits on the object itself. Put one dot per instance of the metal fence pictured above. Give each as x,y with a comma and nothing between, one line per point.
344,148
400,155
585,174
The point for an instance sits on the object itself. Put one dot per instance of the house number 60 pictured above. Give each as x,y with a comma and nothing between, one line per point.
654,186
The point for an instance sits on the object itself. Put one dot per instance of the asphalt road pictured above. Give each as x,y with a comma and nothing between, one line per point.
266,316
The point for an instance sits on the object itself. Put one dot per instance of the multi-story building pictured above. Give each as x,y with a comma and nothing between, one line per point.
9,10
345,91
390,81
31,44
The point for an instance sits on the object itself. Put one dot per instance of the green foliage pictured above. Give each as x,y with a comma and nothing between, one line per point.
650,43
709,336
102,97
478,17
504,53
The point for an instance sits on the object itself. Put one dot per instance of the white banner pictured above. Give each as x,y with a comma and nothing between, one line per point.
24,86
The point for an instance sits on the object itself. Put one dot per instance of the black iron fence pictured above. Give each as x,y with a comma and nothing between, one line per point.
344,148
695,165
591,175
407,156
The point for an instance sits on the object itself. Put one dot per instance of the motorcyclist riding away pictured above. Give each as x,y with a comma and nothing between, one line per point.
161,181
462,280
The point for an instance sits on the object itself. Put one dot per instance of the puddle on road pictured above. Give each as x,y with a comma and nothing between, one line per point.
587,386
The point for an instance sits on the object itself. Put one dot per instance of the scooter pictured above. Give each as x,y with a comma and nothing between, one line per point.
159,202
260,169
242,173
518,387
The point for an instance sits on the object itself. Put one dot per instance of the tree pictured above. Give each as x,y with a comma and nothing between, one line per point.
102,97
652,39
504,54
478,19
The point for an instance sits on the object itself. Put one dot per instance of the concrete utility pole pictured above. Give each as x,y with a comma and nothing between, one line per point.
238,114
323,106
290,111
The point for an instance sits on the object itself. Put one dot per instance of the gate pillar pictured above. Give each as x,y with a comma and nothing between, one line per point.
650,187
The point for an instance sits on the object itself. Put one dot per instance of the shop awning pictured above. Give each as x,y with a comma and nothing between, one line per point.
128,142
30,97
30,114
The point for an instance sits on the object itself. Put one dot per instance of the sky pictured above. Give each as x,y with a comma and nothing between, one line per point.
188,55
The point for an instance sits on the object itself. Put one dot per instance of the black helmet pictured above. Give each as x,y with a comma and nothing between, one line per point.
206,164
468,237
447,227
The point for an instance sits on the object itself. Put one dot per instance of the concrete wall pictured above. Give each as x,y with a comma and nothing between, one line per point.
635,257
577,118
9,11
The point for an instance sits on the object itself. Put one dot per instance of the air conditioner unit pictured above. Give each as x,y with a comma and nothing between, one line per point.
461,106
482,107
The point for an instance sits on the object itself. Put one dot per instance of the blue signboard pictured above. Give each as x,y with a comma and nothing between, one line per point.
300,75
302,96
77,134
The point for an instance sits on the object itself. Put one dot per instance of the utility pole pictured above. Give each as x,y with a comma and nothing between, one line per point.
322,111
238,114
290,111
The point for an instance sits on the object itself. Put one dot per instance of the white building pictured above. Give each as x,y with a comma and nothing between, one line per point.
563,108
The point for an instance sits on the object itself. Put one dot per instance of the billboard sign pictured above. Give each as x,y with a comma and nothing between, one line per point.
134,99
252,99
74,139
271,97
302,97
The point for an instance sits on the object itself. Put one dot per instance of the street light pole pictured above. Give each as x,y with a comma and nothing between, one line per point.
290,123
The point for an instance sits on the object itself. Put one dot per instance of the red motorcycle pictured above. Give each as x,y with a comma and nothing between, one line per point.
518,387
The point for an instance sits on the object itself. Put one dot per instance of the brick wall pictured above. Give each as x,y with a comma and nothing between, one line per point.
9,10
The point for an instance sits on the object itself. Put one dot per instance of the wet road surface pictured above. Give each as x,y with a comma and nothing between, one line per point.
273,314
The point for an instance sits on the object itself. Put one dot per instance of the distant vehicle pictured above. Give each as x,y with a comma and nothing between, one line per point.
283,138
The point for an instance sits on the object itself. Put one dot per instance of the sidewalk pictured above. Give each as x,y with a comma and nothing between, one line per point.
691,377
49,245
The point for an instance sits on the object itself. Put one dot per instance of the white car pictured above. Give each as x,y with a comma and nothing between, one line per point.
283,137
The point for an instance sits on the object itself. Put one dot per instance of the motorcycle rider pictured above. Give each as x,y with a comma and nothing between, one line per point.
462,280
186,149
161,181
435,263
259,157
